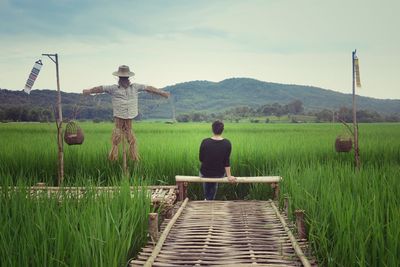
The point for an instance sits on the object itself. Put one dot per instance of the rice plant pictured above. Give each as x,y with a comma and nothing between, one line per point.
353,218
95,230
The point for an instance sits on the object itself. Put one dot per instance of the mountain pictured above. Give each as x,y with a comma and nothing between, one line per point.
215,96
196,96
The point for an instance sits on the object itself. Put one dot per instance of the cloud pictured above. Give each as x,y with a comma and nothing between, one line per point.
303,42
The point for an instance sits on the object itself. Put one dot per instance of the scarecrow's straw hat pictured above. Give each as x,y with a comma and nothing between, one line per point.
123,71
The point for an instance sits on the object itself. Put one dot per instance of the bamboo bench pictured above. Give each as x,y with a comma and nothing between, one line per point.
183,181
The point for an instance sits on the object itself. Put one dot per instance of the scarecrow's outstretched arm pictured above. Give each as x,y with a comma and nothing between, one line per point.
94,90
153,90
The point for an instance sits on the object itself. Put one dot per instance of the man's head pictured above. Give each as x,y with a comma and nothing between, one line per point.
218,127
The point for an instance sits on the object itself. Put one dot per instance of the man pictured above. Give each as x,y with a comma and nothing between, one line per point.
214,157
125,108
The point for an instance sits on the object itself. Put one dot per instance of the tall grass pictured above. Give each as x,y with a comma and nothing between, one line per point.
353,218
95,230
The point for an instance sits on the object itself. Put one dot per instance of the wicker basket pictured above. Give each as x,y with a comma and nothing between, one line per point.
343,144
73,134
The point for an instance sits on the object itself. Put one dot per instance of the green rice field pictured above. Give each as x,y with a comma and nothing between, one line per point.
353,218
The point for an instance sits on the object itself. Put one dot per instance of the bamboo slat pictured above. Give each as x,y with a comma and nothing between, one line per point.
164,235
160,195
296,246
224,233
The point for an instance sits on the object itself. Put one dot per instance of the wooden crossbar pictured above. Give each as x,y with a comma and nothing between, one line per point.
240,180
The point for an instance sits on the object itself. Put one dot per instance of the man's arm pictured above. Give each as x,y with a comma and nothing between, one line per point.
153,90
201,152
94,90
231,178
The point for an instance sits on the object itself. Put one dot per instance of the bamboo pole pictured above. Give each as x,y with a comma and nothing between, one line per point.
40,186
60,120
60,144
255,179
355,126
293,240
164,235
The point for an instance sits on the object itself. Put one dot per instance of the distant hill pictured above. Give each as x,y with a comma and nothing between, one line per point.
214,96
200,96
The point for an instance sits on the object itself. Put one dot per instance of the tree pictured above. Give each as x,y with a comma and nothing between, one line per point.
324,115
345,114
266,110
47,115
295,107
183,118
34,115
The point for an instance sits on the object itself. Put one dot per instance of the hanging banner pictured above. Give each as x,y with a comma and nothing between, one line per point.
32,76
357,72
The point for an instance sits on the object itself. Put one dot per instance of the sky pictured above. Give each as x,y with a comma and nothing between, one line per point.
306,42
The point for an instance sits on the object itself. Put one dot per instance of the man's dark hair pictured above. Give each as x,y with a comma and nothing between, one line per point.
218,127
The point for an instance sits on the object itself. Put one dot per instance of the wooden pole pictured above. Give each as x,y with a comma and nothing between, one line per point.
59,135
60,143
301,227
153,227
355,126
286,205
275,187
182,188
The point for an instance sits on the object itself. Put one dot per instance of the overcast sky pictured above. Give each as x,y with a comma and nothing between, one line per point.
307,42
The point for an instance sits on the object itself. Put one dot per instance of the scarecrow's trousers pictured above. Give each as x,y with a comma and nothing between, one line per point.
123,127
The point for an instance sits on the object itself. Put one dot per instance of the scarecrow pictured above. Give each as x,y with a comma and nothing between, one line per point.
125,108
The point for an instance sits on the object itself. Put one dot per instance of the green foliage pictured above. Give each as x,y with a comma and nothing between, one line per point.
94,230
353,218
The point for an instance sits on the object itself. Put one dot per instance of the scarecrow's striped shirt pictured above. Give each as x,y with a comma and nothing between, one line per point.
124,100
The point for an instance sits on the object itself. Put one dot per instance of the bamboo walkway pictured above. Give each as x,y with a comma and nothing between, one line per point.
160,195
224,233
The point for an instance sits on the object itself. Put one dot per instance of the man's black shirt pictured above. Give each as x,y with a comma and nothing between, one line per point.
214,157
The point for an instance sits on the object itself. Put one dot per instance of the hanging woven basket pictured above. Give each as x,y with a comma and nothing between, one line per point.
73,134
343,144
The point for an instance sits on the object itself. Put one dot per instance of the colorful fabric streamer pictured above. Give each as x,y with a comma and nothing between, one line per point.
32,76
357,72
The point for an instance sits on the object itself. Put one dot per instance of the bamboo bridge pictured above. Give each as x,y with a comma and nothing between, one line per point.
224,233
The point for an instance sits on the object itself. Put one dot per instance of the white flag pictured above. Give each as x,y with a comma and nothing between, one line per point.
33,75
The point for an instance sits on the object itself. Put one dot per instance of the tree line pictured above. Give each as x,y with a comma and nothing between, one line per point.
26,113
294,107
41,114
